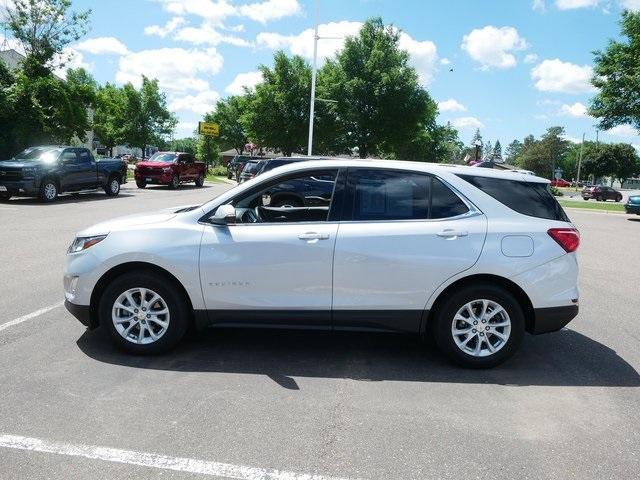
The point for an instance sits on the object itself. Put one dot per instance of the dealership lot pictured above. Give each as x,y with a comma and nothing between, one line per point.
230,403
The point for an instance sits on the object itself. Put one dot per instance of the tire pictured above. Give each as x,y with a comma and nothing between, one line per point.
48,190
200,181
113,186
464,355
598,199
5,197
141,184
178,317
618,199
175,182
286,202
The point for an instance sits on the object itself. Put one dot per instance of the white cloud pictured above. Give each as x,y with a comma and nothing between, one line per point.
200,103
177,69
558,76
451,105
185,129
531,58
206,34
573,4
577,110
217,11
572,139
630,4
423,54
166,29
72,59
494,47
623,131
103,46
270,10
539,5
467,122
242,80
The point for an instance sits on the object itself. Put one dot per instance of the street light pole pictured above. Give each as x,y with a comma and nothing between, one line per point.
312,106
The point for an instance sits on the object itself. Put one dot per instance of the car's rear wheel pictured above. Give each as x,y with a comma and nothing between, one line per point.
175,182
48,190
200,181
113,186
141,184
5,197
479,327
618,198
144,313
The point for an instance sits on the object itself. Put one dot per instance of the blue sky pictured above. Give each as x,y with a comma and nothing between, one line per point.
519,66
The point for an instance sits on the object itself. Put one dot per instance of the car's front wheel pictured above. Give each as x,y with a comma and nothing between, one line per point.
141,184
5,197
618,198
144,313
175,182
479,327
48,190
200,180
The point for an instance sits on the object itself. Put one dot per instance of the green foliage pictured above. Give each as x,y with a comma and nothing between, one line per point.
218,171
186,145
231,114
109,115
497,151
208,150
616,160
380,106
513,150
147,119
544,155
556,192
44,28
617,78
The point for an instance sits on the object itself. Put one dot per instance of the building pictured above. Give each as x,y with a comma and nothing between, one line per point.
11,58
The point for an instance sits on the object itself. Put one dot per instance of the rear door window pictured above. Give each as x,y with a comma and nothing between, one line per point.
84,155
528,198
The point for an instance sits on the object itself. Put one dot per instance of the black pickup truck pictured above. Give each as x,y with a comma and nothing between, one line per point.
46,171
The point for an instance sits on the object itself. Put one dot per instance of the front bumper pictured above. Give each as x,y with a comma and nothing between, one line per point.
632,208
26,187
157,179
552,319
81,312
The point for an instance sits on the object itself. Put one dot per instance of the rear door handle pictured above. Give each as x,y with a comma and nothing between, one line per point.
313,236
450,233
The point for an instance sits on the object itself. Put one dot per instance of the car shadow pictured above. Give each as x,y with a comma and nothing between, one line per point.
564,358
181,187
64,198
633,219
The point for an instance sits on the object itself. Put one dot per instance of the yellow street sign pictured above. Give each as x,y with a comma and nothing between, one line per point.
211,129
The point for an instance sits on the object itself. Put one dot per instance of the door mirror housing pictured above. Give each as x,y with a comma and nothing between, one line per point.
225,215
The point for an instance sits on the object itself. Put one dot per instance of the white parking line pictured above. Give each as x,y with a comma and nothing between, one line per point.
29,316
180,464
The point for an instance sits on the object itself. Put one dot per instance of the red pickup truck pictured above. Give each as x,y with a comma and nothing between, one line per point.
170,168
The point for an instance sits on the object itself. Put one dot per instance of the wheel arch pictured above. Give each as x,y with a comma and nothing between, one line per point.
483,279
128,267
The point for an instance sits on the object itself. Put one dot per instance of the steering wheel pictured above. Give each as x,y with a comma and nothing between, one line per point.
257,215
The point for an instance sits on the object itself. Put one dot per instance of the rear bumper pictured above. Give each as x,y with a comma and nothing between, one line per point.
552,319
81,312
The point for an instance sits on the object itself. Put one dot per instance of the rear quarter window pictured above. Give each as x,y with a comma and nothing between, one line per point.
528,198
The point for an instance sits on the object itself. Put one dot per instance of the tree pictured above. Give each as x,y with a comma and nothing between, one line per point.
475,149
625,162
109,116
554,145
278,113
7,112
231,114
617,79
488,151
186,145
379,103
44,28
147,119
513,151
497,152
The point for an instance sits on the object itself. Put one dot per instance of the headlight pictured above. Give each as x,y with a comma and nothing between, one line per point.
82,243
29,172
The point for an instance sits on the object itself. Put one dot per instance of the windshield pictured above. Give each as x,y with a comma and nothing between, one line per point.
163,157
252,167
46,154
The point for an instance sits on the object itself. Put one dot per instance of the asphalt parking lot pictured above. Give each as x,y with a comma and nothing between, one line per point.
275,405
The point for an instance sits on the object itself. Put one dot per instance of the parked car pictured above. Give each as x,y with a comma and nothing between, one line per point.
170,168
633,205
601,193
47,171
250,170
560,182
237,163
271,163
472,257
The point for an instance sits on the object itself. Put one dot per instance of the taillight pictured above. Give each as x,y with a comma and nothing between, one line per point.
567,238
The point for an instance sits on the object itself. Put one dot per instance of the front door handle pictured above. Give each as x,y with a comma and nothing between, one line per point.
313,236
450,233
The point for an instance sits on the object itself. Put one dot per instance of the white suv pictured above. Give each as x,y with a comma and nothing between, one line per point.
472,257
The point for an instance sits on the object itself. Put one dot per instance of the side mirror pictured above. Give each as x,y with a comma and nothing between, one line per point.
225,215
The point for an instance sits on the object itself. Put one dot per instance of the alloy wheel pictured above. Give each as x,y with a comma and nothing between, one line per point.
114,186
140,316
481,328
50,191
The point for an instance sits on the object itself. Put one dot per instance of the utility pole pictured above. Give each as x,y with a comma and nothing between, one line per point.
314,72
580,162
